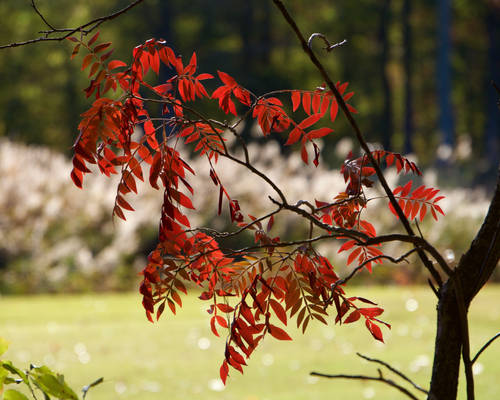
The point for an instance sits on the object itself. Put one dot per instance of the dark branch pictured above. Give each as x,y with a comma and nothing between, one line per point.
362,142
41,15
64,33
379,378
392,369
485,346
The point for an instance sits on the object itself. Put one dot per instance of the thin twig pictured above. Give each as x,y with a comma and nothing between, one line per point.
484,347
369,378
66,32
41,15
392,369
362,265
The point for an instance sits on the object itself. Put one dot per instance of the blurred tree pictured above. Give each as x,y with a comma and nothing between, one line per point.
408,74
492,134
387,119
446,125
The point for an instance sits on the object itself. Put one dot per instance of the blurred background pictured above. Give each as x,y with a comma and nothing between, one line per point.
421,72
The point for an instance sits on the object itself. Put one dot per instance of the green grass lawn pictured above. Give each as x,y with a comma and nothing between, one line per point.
90,336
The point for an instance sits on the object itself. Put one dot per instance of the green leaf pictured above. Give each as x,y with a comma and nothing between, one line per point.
12,394
14,370
4,345
52,383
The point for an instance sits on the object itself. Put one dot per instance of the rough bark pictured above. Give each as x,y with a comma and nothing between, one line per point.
474,269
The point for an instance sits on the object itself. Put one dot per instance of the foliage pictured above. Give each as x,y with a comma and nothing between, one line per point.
252,290
41,379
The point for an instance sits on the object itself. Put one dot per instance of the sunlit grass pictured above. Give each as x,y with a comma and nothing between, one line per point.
94,335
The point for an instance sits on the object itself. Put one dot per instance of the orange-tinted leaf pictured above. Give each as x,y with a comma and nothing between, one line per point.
160,310
93,39
116,64
76,49
176,298
87,60
101,47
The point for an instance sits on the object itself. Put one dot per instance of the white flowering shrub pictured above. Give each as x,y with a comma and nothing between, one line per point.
54,236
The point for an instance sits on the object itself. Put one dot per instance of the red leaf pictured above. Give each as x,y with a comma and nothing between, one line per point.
354,316
294,136
87,60
375,330
77,177
227,79
176,298
406,189
371,312
295,100
303,153
212,326
123,203
309,121
116,64
225,308
318,133
119,213
221,320
278,333
224,370
93,39
306,102
278,310
154,172
334,110
347,245
423,211
353,255
316,102
101,47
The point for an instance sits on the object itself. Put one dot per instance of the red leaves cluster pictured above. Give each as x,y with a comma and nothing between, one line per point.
415,204
251,292
224,93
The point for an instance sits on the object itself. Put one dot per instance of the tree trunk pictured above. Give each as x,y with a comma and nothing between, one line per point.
474,269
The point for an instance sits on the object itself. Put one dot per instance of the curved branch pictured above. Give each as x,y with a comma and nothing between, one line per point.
392,369
485,346
360,137
379,378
